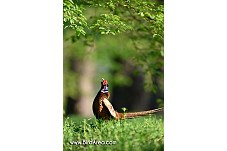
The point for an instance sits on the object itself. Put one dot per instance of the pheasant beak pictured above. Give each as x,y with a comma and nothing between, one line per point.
103,79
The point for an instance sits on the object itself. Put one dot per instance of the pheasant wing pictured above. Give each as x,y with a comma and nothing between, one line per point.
109,107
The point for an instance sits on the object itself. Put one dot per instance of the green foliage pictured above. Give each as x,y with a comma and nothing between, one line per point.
73,17
145,133
125,30
121,16
109,24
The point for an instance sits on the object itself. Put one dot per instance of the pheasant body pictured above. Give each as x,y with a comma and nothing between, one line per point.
103,109
99,108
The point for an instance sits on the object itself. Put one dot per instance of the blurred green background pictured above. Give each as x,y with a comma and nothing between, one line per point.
121,41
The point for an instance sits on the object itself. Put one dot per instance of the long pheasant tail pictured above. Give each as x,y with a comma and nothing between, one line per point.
143,113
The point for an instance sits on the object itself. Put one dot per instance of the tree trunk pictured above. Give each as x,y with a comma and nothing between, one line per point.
86,87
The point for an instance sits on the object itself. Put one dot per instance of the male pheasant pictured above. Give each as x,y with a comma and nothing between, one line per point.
103,109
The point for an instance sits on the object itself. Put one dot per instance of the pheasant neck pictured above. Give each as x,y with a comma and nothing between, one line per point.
104,89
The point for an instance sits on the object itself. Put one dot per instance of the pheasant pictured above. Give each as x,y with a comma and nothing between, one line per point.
103,109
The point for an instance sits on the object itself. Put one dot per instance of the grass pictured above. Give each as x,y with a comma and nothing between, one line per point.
139,134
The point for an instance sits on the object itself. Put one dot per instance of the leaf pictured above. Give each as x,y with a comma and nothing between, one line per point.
124,109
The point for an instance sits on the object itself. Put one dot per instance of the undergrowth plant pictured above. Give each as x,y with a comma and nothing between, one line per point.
144,133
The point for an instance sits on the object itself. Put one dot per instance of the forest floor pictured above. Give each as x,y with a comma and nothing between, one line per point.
138,134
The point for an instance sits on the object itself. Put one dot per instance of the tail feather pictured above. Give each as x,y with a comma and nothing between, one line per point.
143,113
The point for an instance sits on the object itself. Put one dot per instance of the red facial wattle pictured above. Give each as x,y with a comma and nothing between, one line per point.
105,82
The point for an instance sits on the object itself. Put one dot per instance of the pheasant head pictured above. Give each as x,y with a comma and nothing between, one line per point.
104,86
